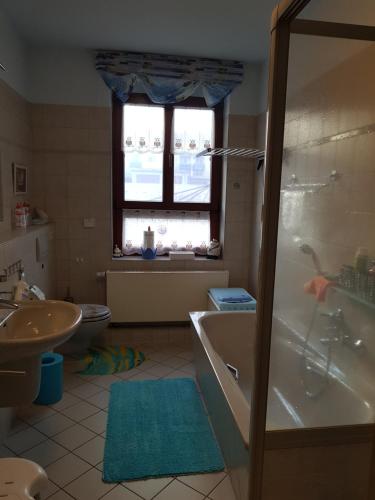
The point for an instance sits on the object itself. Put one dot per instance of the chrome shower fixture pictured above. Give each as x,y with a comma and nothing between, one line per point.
308,250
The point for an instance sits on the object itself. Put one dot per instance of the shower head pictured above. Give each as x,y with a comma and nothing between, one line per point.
307,249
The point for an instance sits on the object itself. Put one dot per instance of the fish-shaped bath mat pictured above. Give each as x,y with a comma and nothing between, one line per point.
109,359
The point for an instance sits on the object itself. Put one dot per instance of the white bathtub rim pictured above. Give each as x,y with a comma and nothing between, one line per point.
236,400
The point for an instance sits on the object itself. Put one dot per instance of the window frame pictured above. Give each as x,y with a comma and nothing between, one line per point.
119,204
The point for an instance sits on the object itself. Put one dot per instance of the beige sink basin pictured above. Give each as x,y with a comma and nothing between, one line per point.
37,327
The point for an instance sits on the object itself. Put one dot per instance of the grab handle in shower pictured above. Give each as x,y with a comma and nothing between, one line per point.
234,371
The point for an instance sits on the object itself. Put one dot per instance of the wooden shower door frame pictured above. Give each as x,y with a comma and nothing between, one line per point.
283,24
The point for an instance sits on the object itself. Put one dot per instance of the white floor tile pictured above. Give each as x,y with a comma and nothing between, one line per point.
179,374
129,373
188,355
53,425
48,490
142,376
35,413
96,423
74,437
89,486
100,400
66,469
223,491
105,381
66,401
87,378
149,488
99,466
175,362
71,381
204,483
60,495
189,368
121,493
159,371
24,440
45,453
80,411
6,452
176,490
18,425
147,364
85,390
92,451
159,356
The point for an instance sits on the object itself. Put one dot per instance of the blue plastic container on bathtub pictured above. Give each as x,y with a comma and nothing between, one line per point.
232,299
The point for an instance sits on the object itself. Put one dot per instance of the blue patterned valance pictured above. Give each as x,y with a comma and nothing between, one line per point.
168,79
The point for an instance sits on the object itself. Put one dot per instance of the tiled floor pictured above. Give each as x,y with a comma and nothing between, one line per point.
67,439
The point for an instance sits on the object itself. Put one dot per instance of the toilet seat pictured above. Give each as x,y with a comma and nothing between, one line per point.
94,312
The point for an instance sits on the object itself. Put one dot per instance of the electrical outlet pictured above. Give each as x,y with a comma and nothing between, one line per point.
89,222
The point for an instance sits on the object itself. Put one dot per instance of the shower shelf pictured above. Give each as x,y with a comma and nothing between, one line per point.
354,297
295,186
256,154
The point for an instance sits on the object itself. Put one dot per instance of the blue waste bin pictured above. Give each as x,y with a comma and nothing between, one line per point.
52,379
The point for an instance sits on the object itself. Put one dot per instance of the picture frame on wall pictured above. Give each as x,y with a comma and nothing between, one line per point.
19,179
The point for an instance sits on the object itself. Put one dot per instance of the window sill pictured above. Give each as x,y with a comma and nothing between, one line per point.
164,258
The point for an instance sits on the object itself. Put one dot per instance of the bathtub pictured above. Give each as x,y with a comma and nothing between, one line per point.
228,338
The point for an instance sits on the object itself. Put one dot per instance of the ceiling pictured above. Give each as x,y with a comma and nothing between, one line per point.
237,29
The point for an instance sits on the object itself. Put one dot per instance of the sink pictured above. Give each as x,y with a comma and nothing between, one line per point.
37,327
26,333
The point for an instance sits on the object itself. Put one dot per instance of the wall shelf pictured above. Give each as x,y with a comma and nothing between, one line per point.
354,297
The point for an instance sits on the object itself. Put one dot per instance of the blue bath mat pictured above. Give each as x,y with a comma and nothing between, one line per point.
158,428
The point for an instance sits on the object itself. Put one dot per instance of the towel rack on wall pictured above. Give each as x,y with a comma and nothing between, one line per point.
257,154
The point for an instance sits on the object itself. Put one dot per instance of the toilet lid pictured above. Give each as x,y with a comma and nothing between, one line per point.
94,311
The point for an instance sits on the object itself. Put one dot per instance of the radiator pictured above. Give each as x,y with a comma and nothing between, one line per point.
158,296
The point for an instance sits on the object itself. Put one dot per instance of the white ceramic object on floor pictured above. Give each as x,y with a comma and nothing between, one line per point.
21,479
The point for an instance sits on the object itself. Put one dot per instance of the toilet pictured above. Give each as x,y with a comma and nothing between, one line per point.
95,318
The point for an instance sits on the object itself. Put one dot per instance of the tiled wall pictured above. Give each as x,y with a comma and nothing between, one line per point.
15,147
72,181
337,219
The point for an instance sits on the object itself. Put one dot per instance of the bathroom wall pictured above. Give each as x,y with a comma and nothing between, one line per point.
13,57
66,143
72,181
329,126
15,147
71,121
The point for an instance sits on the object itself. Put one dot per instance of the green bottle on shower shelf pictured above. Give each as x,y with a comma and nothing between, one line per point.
361,260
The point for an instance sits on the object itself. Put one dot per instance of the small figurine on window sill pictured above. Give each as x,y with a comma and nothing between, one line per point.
117,252
213,250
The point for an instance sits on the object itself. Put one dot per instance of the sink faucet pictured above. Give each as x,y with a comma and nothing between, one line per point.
340,331
8,304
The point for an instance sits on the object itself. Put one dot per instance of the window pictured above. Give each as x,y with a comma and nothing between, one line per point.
157,179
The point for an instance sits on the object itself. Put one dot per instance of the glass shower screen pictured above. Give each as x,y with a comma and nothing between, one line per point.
323,335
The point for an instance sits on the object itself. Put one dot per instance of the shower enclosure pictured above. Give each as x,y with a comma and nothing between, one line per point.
313,401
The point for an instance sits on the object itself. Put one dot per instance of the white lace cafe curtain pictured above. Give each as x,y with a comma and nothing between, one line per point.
175,230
